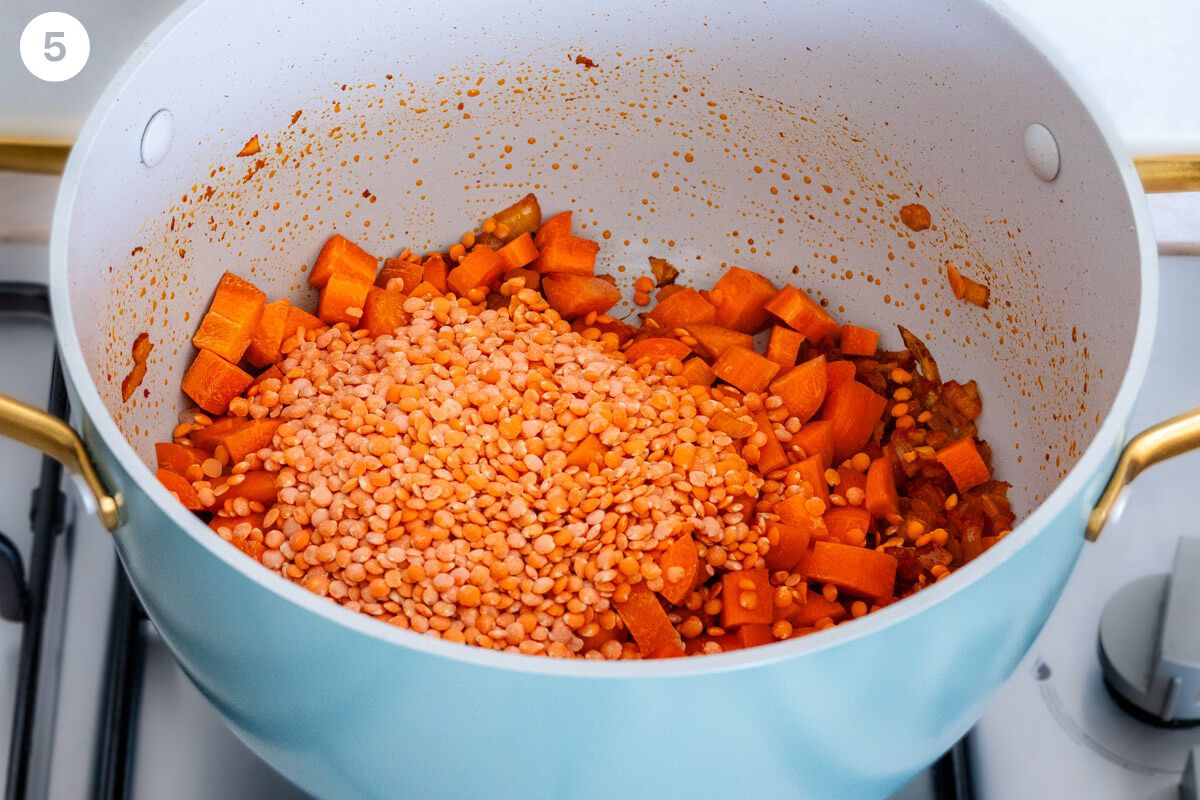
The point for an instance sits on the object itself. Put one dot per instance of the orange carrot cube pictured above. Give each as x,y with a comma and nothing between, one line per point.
342,299
682,308
802,314
342,255
964,463
268,335
858,341
783,346
212,382
578,295
744,296
227,327
383,312
746,598
745,369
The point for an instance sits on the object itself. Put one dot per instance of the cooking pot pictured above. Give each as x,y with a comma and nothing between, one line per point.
780,137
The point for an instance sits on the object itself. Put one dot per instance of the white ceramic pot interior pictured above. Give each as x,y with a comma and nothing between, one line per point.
783,139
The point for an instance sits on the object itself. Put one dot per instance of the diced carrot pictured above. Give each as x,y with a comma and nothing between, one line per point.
812,469
755,634
409,273
844,519
858,341
794,511
532,278
342,255
666,291
586,452
255,518
434,271
383,312
518,253
568,254
783,346
802,314
857,570
249,436
258,485
181,487
212,382
656,348
684,307
814,607
771,456
680,564
747,597
964,463
698,372
551,229
558,225
178,457
268,335
343,299
479,268
298,318
744,298
802,388
849,478
426,290
227,327
251,547
854,411
816,436
838,373
208,437
745,369
578,295
734,426
647,622
882,498
789,543
715,340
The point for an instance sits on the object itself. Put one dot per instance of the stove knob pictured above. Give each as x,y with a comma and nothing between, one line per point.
1150,643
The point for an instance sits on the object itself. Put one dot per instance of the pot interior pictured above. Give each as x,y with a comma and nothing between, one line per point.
781,138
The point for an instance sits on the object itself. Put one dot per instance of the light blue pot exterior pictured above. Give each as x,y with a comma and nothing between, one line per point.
346,714
348,707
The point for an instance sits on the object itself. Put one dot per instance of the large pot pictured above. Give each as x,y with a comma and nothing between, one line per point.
678,142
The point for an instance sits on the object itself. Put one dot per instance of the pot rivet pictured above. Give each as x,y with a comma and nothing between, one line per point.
157,136
1041,151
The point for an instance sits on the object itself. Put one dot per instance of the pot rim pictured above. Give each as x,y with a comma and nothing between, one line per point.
1083,478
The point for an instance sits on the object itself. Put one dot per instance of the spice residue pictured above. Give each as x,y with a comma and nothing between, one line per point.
141,351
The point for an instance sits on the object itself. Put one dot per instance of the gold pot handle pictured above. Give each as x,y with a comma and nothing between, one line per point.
57,439
1160,174
33,155
1158,443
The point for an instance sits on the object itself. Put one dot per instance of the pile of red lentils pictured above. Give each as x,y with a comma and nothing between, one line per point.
423,476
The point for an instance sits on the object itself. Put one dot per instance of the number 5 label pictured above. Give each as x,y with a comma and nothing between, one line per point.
54,46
